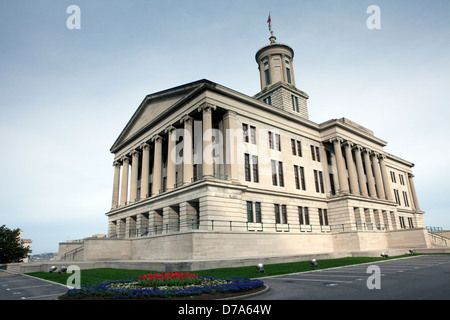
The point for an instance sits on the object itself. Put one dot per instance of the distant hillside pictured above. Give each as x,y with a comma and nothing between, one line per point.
41,257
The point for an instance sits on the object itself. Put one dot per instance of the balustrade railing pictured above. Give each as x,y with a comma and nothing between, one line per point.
246,226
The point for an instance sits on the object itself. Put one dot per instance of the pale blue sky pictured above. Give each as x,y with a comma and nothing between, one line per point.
65,95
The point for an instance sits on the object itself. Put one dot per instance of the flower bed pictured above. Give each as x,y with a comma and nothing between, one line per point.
165,286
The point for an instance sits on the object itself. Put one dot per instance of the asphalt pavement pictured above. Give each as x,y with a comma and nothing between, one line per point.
411,278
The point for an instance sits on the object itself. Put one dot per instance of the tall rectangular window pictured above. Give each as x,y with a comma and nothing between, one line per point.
271,144
278,142
317,154
302,178
284,214
280,173
316,181
245,131
322,190
255,168
299,148
301,220
274,172
410,223
249,211
258,212
313,153
405,199
277,213
294,150
247,167
253,134
267,73
288,74
297,180
306,214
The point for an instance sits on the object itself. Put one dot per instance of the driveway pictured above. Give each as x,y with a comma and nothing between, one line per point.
412,278
23,287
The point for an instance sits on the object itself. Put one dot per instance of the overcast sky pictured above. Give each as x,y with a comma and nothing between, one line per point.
66,94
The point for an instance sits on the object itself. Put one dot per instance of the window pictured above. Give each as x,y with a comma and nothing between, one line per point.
410,223
316,181
393,177
302,178
267,73
303,215
294,149
294,103
280,173
402,222
249,211
255,169
258,212
274,141
397,197
323,217
288,74
284,214
277,142
297,180
253,215
299,177
299,148
253,134
405,199
245,131
268,100
321,182
315,156
332,186
277,213
274,172
402,180
247,167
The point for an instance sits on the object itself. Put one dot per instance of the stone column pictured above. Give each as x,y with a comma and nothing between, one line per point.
413,191
342,177
171,157
351,168
377,173
369,173
116,185
145,170
134,175
231,146
385,177
207,161
188,163
360,170
157,164
124,190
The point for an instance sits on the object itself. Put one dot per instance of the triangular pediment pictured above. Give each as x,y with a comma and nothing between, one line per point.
154,106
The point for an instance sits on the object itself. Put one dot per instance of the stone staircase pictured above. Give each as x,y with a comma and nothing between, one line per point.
439,239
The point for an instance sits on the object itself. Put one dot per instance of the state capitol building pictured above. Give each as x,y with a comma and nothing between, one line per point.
204,172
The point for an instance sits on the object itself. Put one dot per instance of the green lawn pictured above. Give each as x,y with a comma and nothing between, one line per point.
92,276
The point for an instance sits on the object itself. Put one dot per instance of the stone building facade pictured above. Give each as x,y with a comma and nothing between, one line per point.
204,172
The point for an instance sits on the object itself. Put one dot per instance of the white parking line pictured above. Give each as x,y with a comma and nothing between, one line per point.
41,285
303,279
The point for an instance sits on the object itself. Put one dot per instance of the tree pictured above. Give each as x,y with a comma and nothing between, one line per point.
11,248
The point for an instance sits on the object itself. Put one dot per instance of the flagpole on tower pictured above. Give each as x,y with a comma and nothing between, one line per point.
272,37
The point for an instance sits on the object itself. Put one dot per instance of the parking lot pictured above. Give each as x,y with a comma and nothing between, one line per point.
22,287
412,278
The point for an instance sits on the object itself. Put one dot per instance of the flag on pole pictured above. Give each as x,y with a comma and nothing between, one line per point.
269,21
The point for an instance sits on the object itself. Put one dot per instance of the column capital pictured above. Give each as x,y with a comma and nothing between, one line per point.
144,145
169,129
367,150
410,175
337,139
116,163
186,118
125,159
358,147
348,143
206,107
156,138
381,156
134,152
374,154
